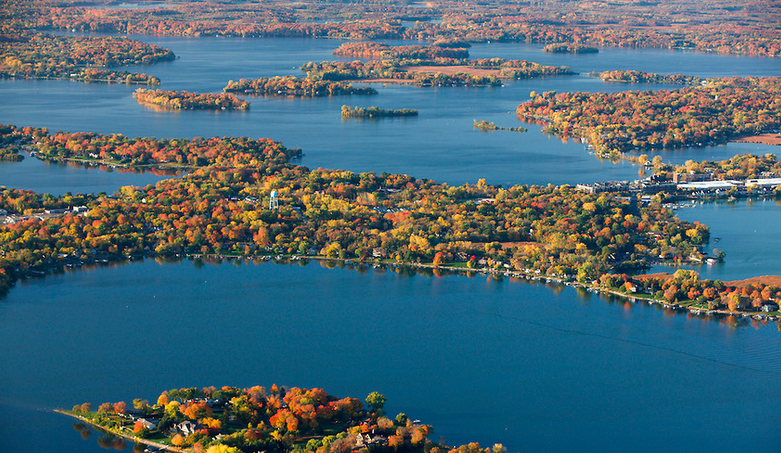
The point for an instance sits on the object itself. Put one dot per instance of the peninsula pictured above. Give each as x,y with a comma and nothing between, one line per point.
29,55
588,235
280,419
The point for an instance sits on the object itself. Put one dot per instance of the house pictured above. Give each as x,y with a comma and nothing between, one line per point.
769,306
366,440
148,424
186,427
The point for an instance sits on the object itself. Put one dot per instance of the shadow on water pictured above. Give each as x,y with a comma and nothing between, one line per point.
105,440
556,287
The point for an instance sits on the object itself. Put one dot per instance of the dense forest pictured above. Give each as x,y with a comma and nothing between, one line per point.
185,100
713,112
82,58
382,51
635,76
569,48
295,86
118,149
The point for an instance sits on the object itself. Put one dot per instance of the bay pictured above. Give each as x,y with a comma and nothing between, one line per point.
57,178
535,367
746,230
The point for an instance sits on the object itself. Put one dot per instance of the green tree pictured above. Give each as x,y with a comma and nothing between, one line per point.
376,401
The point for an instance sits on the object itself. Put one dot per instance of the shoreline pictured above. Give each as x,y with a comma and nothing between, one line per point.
596,289
463,271
137,440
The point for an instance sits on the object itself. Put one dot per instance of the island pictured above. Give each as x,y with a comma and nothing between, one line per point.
635,76
486,126
278,419
431,73
295,86
382,51
185,100
569,48
375,112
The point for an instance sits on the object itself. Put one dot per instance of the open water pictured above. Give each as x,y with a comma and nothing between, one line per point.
537,368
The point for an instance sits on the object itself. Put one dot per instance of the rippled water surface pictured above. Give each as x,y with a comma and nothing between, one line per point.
537,368
534,367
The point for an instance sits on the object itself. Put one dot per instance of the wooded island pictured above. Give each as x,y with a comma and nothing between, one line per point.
185,100
714,112
375,112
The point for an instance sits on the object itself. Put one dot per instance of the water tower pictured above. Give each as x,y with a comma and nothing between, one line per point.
274,202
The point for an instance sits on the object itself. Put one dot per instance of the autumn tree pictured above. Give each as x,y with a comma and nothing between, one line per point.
120,407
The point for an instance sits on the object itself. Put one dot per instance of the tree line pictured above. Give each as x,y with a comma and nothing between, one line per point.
185,100
375,112
635,76
295,86
382,51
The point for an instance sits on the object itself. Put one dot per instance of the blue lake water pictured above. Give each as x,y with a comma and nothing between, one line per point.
439,144
747,231
59,178
537,368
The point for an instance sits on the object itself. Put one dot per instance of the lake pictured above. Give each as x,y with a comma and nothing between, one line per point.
440,144
535,367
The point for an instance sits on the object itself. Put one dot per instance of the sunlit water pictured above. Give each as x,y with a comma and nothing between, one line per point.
537,368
